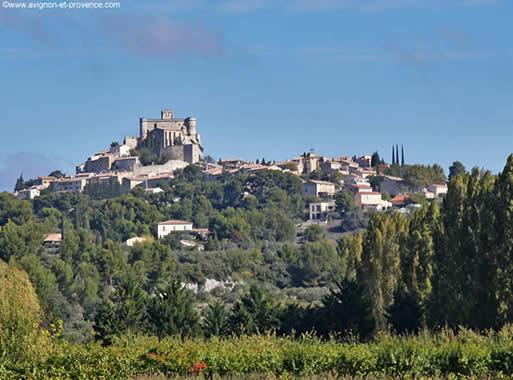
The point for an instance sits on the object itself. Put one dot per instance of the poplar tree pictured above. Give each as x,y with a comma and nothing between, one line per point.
380,267
504,241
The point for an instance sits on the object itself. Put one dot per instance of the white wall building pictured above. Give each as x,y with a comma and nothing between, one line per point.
320,210
313,188
169,226
371,200
437,190
29,193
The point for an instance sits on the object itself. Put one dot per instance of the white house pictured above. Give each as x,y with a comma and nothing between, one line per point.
437,189
169,226
29,193
320,210
371,200
313,188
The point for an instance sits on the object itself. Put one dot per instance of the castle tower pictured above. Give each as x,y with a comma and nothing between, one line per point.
143,129
166,114
191,123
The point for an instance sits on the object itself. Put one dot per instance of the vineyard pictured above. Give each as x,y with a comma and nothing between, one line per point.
447,354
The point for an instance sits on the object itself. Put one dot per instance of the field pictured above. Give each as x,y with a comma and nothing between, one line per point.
445,355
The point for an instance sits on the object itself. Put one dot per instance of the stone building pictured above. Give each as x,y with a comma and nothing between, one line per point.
174,137
314,188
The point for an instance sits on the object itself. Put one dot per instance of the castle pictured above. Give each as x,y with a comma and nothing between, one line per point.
171,137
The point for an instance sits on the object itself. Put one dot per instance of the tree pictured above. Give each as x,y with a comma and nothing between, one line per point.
344,201
380,270
20,314
19,183
346,310
171,312
455,169
125,311
405,315
402,155
215,321
255,313
314,233
375,160
57,174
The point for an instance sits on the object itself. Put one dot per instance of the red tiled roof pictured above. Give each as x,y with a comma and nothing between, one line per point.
174,222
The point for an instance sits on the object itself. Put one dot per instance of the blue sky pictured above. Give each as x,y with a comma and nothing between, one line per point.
265,78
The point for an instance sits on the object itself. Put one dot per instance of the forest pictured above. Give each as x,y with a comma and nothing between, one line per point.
436,282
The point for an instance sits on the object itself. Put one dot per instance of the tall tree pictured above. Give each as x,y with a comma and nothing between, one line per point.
456,168
380,270
393,155
375,160
402,155
504,240
19,183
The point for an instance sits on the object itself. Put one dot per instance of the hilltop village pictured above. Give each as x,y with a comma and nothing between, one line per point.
149,162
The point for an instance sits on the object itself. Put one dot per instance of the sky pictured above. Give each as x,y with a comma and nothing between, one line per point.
265,79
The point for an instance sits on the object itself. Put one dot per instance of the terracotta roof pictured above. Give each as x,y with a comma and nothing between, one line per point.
174,222
53,237
320,182
399,199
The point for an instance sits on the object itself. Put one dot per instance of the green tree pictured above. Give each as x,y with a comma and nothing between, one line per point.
20,315
346,310
314,233
455,169
255,313
215,320
171,312
381,264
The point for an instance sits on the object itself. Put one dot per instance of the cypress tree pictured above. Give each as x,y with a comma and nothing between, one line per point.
393,155
402,155
19,183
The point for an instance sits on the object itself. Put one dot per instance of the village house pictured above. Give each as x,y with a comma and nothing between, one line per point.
291,166
371,200
71,184
128,164
27,194
231,163
437,190
365,173
45,181
331,167
393,186
315,188
360,188
170,226
212,171
53,241
321,210
364,161
120,150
